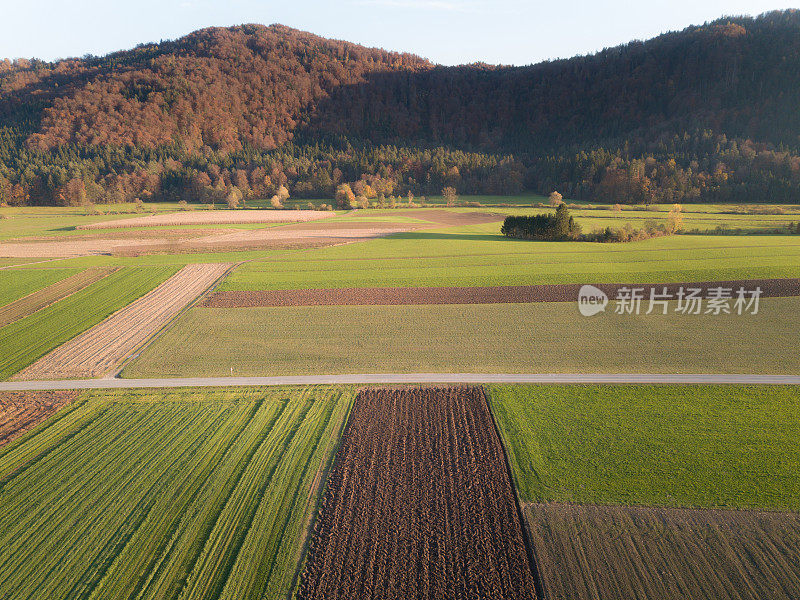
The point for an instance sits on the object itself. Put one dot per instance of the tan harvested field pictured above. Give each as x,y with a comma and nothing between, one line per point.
71,247
620,552
303,229
188,240
22,411
468,295
419,504
99,350
213,217
51,294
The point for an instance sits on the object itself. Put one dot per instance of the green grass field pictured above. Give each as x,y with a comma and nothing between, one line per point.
479,255
17,283
488,338
24,341
699,446
184,494
29,221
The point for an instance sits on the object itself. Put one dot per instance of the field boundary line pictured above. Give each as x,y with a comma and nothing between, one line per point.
106,272
321,488
409,378
530,548
138,350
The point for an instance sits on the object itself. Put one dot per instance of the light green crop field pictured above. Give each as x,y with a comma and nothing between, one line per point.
24,341
17,283
478,338
151,260
29,221
698,446
182,494
479,256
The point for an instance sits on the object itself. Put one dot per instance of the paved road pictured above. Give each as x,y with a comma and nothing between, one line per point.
85,384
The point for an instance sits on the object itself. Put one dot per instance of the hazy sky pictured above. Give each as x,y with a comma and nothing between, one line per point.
445,31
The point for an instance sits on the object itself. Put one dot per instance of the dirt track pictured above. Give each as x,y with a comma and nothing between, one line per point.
97,351
590,552
22,411
468,295
419,504
51,294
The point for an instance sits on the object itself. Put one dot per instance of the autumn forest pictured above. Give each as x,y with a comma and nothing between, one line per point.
706,114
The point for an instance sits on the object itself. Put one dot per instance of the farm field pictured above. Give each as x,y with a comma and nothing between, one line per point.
213,217
674,446
99,350
18,283
469,295
52,220
478,255
179,232
190,494
461,338
419,504
22,411
54,292
605,472
589,552
28,339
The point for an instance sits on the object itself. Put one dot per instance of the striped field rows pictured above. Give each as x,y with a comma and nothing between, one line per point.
51,294
97,351
151,495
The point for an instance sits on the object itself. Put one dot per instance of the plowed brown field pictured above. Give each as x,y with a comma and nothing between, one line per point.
622,552
22,411
51,294
419,504
469,295
97,351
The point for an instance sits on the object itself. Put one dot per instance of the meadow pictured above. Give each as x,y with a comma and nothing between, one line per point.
478,338
688,446
190,494
25,340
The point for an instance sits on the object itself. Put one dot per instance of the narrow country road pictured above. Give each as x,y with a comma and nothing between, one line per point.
448,378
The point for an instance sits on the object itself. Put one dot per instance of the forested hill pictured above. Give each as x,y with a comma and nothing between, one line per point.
710,113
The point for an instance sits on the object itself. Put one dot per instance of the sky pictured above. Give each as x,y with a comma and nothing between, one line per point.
511,32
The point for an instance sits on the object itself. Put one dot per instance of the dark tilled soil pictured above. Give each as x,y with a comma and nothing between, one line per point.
22,411
419,504
473,295
620,552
